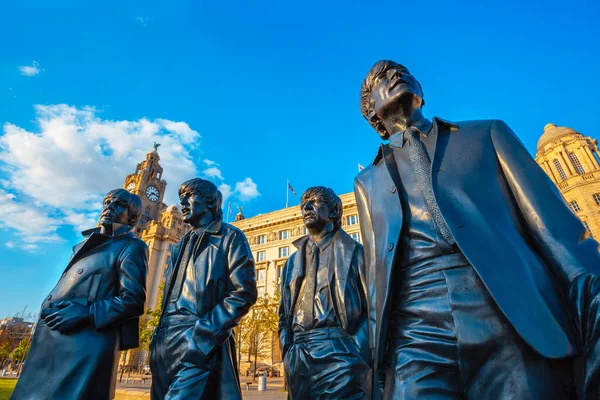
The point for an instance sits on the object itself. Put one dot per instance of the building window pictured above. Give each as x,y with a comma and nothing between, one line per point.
260,256
597,198
261,291
352,219
574,206
284,252
284,235
262,239
560,170
355,236
576,163
587,227
261,274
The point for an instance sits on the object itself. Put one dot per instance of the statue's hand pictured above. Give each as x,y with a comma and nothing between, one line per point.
70,315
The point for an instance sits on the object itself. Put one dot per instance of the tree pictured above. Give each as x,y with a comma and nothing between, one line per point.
150,320
5,348
258,329
20,352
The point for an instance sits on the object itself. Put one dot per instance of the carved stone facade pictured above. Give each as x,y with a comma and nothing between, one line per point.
572,161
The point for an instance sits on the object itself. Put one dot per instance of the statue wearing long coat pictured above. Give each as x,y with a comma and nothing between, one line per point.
109,275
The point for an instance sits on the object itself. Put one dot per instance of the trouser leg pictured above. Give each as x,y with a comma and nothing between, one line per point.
297,369
422,342
178,376
338,370
495,362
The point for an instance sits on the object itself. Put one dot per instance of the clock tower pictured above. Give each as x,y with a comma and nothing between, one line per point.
147,183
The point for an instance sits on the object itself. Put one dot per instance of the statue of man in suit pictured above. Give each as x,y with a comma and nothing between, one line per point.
323,321
210,284
92,312
483,283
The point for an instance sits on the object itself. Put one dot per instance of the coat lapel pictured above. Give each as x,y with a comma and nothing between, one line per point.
176,255
297,271
82,248
440,128
344,247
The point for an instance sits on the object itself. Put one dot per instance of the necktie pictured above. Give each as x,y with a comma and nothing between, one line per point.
419,159
182,267
308,295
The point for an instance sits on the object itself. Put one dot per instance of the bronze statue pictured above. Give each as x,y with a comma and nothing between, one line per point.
92,312
210,285
483,283
323,321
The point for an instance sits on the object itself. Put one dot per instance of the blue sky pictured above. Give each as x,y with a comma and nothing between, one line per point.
249,94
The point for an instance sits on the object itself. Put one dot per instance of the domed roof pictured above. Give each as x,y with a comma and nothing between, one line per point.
173,208
553,132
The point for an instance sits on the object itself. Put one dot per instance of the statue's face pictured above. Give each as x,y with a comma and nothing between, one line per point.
315,213
114,210
394,88
193,208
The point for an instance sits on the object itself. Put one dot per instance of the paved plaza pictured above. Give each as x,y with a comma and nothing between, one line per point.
138,390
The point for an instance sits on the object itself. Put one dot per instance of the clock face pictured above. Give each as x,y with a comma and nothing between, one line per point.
152,194
131,187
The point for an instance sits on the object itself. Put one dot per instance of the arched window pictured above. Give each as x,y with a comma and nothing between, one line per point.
576,163
559,169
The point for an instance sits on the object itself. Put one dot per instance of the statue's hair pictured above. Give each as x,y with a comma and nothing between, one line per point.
366,101
327,196
209,192
134,204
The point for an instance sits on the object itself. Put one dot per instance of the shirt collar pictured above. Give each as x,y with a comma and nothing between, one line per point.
117,230
213,228
324,242
424,126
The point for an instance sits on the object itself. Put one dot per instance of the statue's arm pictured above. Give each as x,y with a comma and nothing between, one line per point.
131,292
213,328
557,234
368,268
564,244
284,339
362,333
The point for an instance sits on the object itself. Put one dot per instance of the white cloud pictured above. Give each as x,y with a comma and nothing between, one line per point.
247,189
29,224
30,247
30,70
11,245
76,157
143,20
226,191
213,172
58,174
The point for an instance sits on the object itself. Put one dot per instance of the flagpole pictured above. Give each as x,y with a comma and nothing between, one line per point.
287,193
228,210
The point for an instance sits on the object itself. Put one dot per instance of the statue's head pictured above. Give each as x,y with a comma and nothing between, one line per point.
200,202
122,207
320,206
388,90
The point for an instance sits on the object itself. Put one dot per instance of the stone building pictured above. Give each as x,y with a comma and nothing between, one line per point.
571,160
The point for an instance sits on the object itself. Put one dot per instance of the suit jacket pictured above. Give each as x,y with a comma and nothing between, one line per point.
348,288
506,216
109,275
225,291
